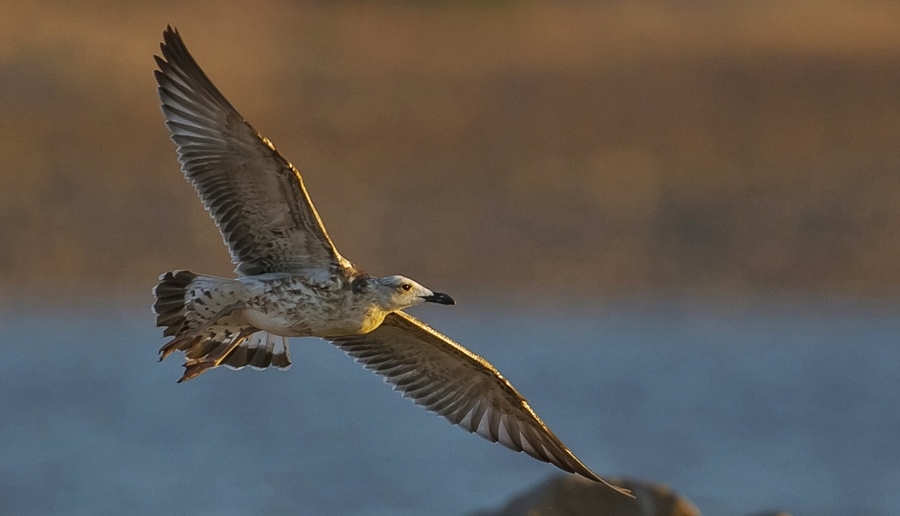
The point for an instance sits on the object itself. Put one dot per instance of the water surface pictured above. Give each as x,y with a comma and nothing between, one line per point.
741,408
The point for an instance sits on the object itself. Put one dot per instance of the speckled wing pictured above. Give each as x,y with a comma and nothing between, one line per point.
255,196
447,378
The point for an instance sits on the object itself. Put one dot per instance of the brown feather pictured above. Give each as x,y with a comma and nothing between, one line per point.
461,386
256,197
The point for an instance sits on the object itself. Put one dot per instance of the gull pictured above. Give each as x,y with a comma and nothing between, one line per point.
292,282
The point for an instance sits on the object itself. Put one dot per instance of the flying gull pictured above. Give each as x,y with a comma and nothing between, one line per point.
292,282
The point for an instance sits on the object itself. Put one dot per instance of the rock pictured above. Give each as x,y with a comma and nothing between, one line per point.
574,496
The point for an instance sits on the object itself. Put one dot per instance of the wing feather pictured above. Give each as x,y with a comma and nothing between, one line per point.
256,197
446,378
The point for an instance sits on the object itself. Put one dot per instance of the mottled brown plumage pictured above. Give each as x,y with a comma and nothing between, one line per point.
447,378
256,197
292,282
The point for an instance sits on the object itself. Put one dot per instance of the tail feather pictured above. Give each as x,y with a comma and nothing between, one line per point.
259,351
201,313
171,300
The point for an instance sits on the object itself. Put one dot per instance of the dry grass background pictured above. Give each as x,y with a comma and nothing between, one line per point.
605,147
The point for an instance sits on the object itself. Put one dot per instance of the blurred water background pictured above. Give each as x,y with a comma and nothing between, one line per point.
741,409
674,226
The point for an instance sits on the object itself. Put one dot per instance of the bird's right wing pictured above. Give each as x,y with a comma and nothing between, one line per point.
256,197
449,379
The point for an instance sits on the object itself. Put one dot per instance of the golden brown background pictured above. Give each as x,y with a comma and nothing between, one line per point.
733,165
603,147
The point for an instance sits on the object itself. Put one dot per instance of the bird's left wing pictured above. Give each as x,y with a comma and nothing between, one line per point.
256,197
447,378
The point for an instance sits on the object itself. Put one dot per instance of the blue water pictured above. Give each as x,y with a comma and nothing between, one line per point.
741,407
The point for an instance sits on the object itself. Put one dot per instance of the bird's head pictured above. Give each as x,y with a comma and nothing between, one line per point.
398,292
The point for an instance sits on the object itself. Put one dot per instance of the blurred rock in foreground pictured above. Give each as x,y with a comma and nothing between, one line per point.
574,496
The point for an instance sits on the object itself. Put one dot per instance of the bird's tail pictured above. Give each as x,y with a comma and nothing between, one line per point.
202,315
186,301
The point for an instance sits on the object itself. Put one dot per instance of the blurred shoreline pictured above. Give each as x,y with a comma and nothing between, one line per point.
608,147
518,302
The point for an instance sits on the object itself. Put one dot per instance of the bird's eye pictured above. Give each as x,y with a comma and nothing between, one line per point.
406,286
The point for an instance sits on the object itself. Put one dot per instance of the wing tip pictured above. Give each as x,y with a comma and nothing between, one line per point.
171,38
175,55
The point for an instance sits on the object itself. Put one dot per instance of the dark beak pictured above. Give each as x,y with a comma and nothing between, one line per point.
440,298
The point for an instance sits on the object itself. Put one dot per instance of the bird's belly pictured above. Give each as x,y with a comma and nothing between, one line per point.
349,324
314,324
278,323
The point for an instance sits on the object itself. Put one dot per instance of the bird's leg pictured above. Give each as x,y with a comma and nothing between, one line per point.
195,367
192,337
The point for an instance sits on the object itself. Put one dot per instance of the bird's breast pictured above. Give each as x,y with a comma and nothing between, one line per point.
294,308
353,321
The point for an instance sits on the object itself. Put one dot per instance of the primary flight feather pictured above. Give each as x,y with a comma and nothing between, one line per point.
292,281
